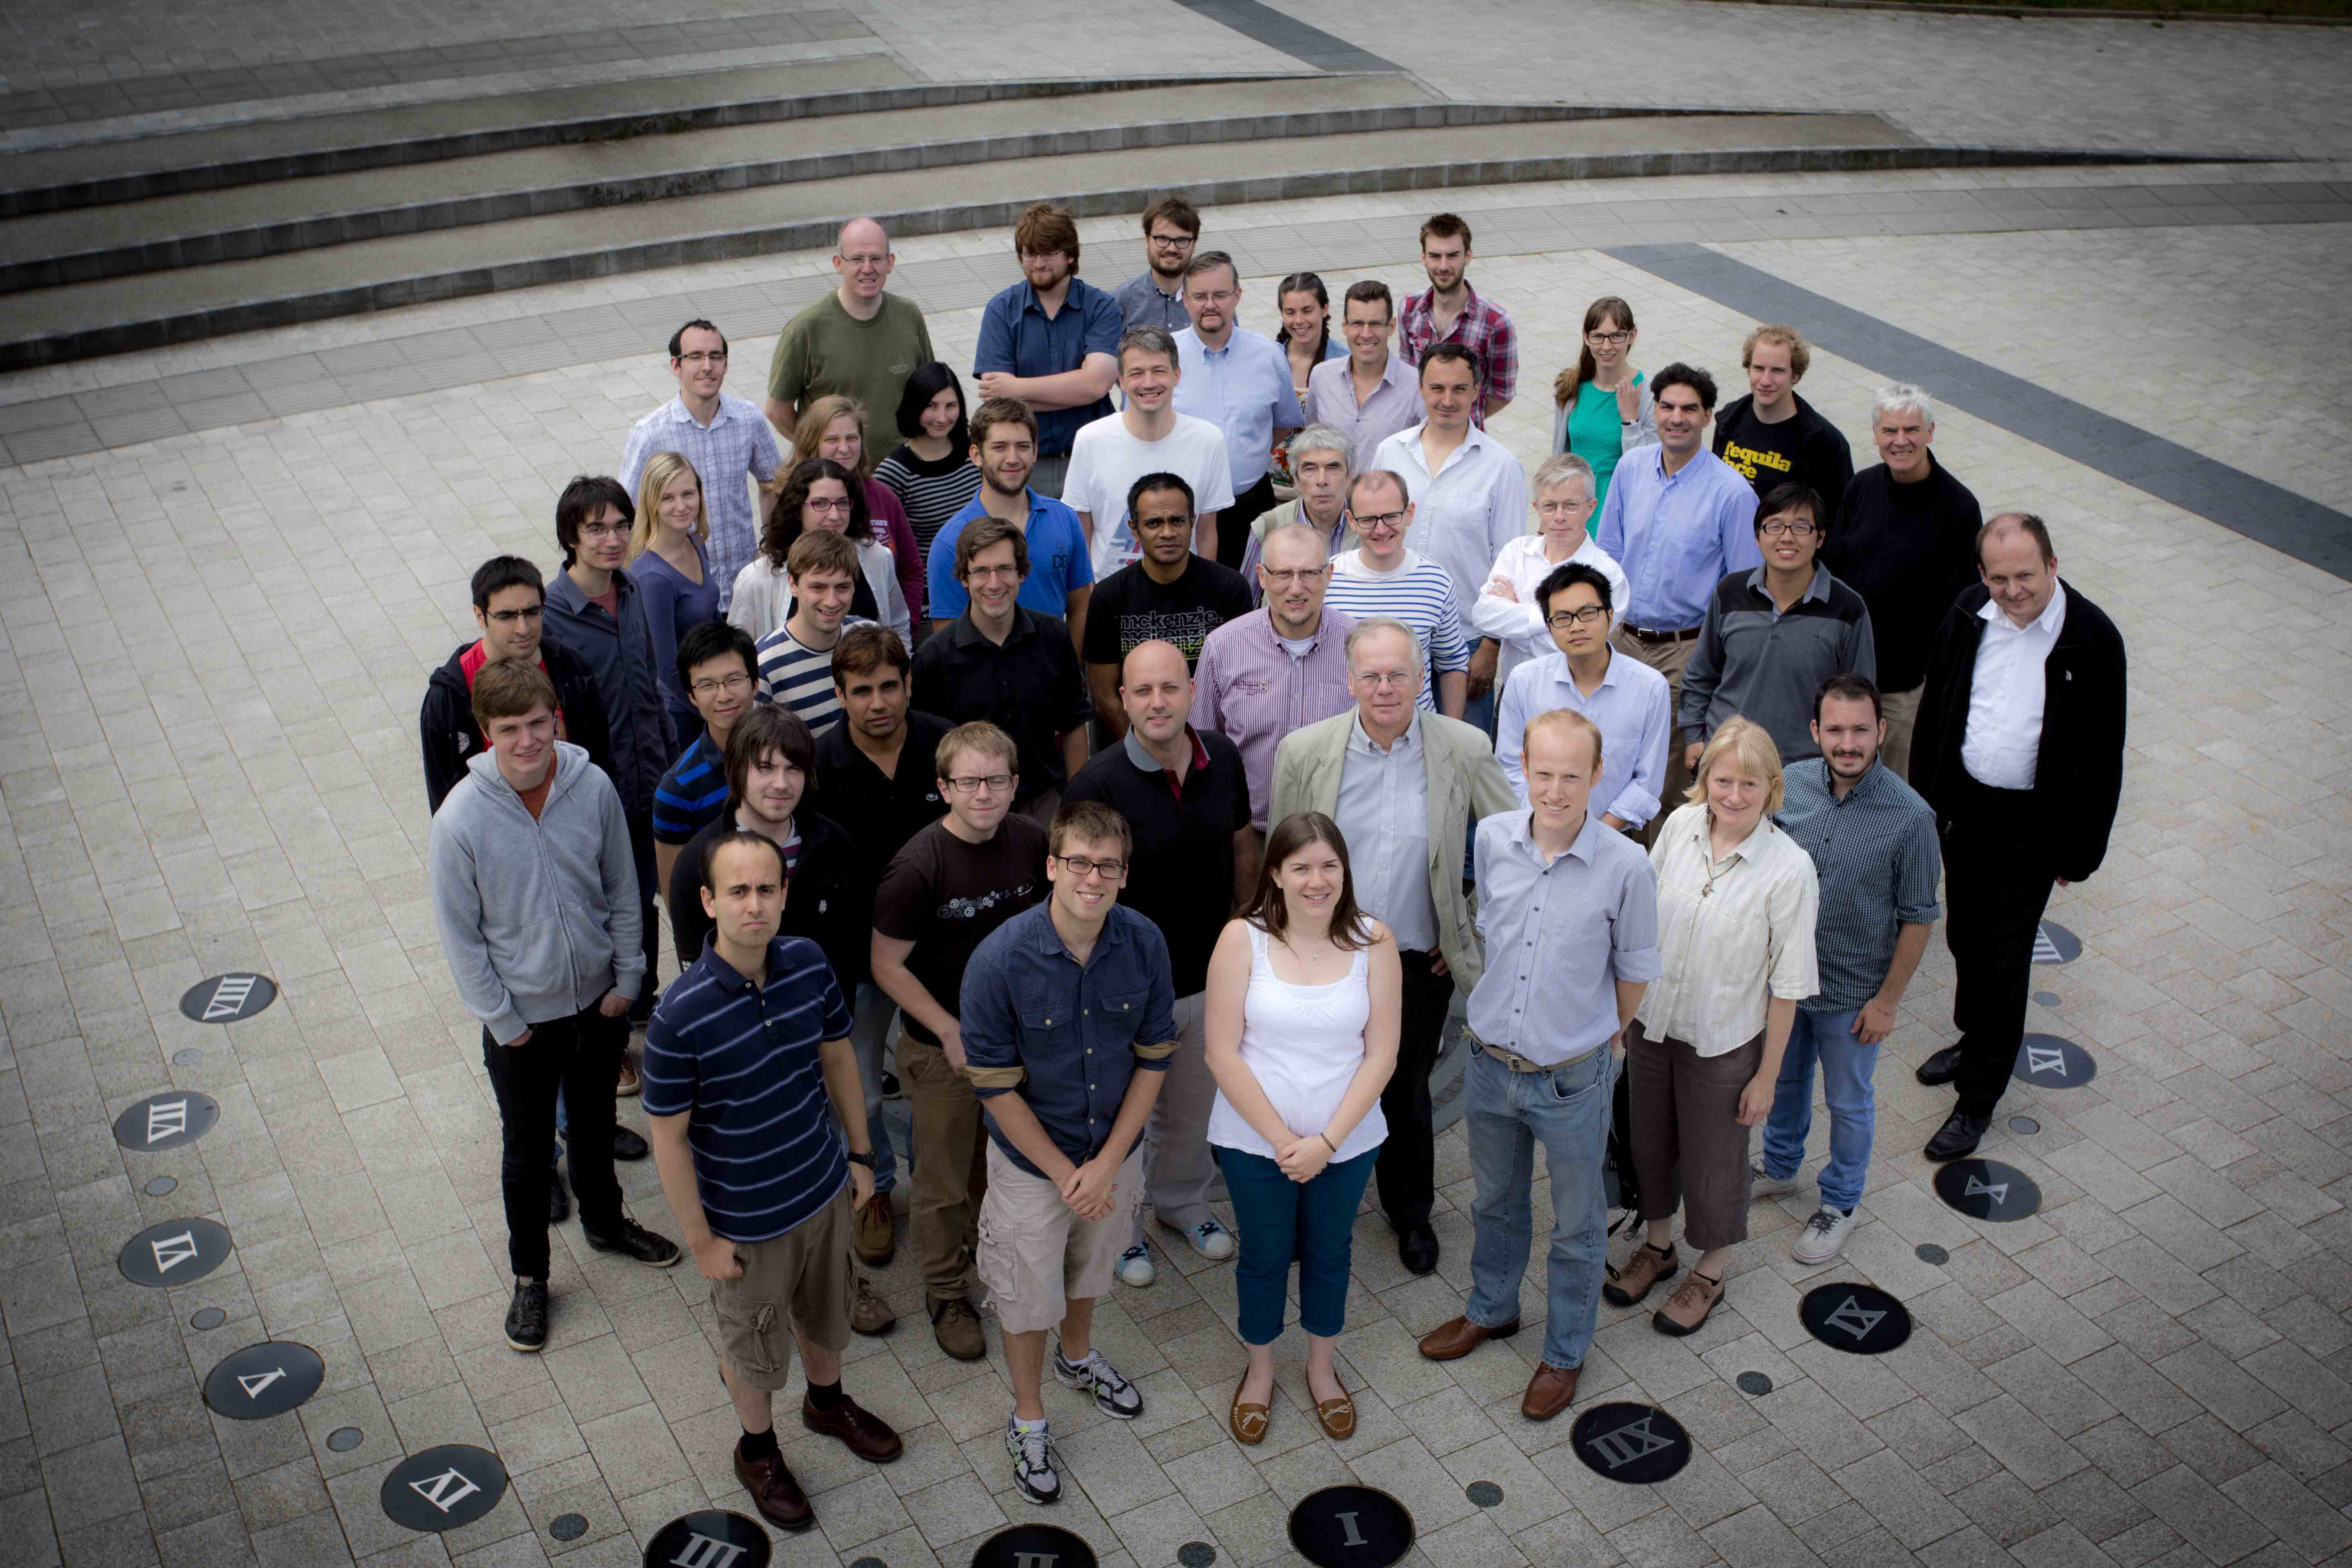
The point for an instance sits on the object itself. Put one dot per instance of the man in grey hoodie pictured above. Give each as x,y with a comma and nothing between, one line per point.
535,893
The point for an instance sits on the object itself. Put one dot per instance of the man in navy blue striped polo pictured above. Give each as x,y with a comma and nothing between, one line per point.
748,1070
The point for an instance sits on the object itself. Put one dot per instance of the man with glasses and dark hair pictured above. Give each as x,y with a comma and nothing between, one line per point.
509,598
597,612
1404,785
1774,634
1171,594
1677,518
1058,577
1050,340
954,883
1145,436
1003,663
725,438
1240,382
1372,394
1072,1023
720,667
1155,296
1624,699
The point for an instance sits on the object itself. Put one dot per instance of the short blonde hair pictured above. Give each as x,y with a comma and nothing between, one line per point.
661,470
1800,357
1751,745
1562,722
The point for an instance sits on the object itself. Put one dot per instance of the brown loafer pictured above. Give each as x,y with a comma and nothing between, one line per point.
773,1492
861,1431
871,1232
1460,1337
1337,1416
1648,1264
1247,1421
1687,1309
1550,1391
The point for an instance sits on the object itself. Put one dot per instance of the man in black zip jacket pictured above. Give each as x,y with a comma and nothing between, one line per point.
509,597
2020,749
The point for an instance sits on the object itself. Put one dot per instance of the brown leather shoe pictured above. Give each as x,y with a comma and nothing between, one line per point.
1460,1337
773,1492
1337,1416
1247,1421
956,1325
861,1431
1648,1264
1687,1310
869,1313
871,1232
1550,1391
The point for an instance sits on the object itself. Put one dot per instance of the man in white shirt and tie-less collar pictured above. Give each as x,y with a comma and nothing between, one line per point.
2020,750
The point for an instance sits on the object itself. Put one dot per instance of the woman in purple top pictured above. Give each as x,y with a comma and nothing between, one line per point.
666,558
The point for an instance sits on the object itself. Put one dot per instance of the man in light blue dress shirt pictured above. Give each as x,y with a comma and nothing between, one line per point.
1678,520
1240,382
1625,700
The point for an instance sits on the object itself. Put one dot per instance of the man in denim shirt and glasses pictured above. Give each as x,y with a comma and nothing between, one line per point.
1068,1020
1569,916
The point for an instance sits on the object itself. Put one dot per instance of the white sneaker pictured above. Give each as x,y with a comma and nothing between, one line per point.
1032,1450
1135,1267
1210,1239
1761,1184
1822,1236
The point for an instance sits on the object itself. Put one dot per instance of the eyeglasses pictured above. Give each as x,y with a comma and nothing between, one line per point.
1082,868
1583,617
1794,530
992,573
1385,679
516,617
1175,241
973,784
1608,340
718,357
815,504
603,531
1217,296
1287,579
730,685
1366,521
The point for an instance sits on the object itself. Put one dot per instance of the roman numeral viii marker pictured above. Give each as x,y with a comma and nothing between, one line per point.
228,996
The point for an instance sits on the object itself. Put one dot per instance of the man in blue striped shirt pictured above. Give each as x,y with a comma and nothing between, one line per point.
751,1090
720,667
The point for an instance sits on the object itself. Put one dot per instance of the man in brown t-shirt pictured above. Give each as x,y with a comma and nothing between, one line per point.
951,885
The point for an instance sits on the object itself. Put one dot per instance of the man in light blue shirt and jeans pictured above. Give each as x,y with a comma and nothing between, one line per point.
1240,382
1569,912
1678,520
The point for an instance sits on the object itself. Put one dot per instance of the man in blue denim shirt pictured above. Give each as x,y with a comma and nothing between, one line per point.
1068,1019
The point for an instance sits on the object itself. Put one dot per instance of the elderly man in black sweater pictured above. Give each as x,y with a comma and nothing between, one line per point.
1907,542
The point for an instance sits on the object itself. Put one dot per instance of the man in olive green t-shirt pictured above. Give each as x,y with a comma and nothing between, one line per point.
856,339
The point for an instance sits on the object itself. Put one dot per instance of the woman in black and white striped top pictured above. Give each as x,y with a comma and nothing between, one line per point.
932,473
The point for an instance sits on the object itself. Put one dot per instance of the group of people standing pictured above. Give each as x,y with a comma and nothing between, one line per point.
1142,783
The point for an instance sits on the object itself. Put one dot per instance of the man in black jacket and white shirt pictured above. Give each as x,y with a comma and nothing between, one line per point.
2021,751
509,605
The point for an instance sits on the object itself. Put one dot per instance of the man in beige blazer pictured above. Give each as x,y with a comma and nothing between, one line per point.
1405,785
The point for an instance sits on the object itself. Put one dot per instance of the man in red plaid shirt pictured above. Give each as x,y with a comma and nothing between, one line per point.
1451,311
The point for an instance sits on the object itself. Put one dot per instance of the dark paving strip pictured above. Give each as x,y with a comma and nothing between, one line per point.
492,56
121,416
1289,35
2255,507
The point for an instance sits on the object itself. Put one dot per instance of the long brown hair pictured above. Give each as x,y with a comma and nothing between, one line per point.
1606,308
1266,909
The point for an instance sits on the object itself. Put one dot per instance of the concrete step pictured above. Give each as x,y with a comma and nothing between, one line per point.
79,320
199,228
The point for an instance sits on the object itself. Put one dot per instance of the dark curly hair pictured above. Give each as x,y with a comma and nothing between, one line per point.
783,523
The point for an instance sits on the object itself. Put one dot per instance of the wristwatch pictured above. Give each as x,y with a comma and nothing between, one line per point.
865,1159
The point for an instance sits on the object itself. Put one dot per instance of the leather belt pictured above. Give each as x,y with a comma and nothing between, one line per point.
1642,634
1511,1060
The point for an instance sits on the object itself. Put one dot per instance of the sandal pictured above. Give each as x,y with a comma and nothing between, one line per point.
1248,1421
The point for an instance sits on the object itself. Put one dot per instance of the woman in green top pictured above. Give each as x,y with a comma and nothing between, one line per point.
1602,410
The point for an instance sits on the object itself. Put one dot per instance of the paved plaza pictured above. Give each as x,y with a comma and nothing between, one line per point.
214,634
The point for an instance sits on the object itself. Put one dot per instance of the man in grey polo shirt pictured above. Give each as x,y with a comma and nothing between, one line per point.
1569,916
1872,841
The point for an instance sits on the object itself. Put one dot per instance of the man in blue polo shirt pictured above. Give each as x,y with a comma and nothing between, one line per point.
748,1070
1051,341
1068,1020
1060,577
718,665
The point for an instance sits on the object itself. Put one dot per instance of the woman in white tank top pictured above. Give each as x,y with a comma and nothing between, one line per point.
1301,1016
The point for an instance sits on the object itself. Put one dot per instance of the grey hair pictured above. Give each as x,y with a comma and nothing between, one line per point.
1900,397
1371,623
1151,341
1323,439
1558,469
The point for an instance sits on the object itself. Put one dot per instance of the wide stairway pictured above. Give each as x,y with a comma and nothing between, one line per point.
142,241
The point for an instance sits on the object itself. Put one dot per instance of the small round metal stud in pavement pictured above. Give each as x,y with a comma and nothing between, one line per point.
1929,1252
1485,1494
1753,1382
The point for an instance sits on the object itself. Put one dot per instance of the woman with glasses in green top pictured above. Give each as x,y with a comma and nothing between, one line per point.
1602,407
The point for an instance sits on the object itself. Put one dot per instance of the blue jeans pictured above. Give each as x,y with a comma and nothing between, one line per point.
1279,1219
1846,1067
1566,1110
872,1014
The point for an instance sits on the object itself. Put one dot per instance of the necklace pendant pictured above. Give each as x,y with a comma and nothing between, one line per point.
1707,891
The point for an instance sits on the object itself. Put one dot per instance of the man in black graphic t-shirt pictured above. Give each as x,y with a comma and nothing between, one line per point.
1773,436
1170,595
